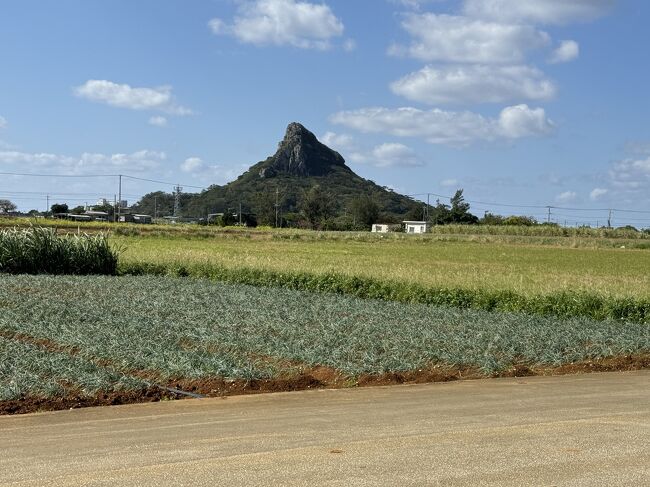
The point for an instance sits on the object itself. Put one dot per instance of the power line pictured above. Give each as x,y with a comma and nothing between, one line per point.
506,205
162,182
59,175
37,175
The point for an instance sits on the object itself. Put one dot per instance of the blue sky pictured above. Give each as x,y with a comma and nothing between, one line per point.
523,102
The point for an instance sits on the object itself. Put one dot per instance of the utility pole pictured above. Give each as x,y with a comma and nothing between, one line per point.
548,218
428,194
609,219
277,196
47,204
155,207
114,208
240,213
119,198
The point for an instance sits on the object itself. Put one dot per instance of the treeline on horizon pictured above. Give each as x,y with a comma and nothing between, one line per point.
316,209
320,209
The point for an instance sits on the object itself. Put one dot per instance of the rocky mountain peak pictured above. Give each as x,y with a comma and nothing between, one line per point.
301,154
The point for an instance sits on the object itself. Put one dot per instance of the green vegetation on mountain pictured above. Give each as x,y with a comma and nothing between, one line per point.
286,181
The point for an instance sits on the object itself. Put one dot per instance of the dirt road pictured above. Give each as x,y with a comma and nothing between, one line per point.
587,430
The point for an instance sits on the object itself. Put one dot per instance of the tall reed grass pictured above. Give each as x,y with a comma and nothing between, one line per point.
38,250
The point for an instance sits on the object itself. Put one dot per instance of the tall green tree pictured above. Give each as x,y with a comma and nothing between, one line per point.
364,210
59,208
459,211
264,207
6,206
317,206
440,214
227,219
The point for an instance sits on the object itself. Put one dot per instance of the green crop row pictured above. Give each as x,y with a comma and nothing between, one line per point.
195,328
564,303
27,370
38,250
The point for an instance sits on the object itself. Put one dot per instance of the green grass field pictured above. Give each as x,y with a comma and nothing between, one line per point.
525,269
81,336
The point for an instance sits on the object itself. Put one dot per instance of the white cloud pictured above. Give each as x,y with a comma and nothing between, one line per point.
538,11
384,155
3,122
282,23
218,26
125,96
566,197
349,45
566,51
192,165
522,121
637,147
598,193
447,127
389,155
631,175
158,121
211,173
460,39
414,4
475,84
449,183
339,142
86,163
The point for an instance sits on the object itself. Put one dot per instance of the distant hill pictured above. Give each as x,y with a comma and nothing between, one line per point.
300,163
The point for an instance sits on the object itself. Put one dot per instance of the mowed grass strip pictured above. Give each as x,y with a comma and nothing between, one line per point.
188,328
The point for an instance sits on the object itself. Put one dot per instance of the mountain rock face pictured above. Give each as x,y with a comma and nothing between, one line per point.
301,154
300,163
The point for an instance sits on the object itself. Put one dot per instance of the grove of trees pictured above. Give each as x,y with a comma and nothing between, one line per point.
7,206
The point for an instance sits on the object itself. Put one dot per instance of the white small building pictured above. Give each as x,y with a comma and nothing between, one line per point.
384,227
416,227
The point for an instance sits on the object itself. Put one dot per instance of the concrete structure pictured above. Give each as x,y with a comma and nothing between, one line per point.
384,227
416,227
100,216
144,219
72,216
